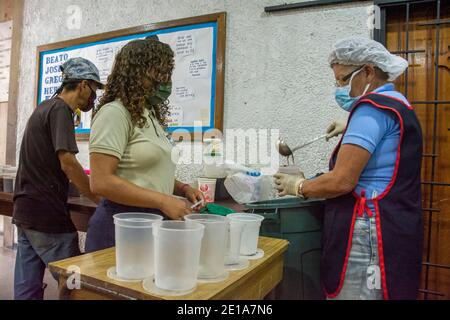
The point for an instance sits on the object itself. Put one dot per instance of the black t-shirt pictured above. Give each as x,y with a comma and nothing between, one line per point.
41,191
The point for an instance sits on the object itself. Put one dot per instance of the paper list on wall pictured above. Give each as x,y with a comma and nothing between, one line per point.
104,58
5,59
183,93
199,68
184,45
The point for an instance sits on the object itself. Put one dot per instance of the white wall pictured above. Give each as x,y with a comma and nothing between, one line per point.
276,76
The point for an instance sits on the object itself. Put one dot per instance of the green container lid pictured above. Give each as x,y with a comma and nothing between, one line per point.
212,208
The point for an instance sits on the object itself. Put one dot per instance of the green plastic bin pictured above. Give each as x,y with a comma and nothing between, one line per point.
300,222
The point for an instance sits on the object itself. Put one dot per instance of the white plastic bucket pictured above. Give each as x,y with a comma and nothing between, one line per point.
250,224
214,244
134,245
177,254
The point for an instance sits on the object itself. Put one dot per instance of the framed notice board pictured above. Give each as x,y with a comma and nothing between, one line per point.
197,80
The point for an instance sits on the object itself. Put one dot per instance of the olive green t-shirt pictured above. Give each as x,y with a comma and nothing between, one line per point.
144,153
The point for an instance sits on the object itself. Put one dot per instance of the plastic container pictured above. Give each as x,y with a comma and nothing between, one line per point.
251,224
234,243
300,222
243,188
177,254
214,244
134,245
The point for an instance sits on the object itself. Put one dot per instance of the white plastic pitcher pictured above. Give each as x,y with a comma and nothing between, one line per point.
250,224
177,254
233,243
134,245
214,244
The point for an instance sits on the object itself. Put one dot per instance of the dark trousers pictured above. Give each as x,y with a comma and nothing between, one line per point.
35,250
101,231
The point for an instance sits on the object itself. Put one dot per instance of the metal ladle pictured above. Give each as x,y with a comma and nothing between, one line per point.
287,152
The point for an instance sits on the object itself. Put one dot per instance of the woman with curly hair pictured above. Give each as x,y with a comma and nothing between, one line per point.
130,155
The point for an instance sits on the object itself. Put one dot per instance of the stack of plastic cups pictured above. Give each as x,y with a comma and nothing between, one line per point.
250,234
177,257
233,260
214,245
134,246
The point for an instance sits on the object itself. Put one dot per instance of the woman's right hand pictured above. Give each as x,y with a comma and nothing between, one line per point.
175,208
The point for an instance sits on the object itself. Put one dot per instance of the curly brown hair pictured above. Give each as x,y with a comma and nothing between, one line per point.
139,68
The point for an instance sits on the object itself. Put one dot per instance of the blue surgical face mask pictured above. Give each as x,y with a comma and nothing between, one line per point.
342,94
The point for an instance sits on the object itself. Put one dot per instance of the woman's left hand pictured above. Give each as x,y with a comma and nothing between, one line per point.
194,196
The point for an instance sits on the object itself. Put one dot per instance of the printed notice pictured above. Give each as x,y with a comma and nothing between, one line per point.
183,93
184,45
199,68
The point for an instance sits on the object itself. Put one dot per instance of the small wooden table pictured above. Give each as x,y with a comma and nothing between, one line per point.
253,283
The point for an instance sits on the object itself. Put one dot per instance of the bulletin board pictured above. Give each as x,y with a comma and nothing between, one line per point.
197,80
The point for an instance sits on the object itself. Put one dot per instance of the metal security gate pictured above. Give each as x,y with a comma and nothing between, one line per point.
420,32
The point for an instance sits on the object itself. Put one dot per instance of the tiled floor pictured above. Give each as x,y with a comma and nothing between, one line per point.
7,259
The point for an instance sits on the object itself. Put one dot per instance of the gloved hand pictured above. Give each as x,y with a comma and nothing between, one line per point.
288,184
336,128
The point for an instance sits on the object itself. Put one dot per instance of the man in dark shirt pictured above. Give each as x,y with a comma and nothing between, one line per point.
46,165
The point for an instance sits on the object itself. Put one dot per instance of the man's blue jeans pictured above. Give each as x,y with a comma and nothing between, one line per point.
35,250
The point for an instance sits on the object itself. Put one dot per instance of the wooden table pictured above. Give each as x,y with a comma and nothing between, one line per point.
81,209
255,282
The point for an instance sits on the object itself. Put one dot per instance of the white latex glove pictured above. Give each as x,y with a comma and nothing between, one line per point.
288,184
336,128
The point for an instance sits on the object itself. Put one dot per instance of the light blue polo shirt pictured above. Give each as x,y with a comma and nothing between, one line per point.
377,131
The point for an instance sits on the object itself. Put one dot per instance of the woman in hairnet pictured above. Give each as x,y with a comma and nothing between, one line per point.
372,235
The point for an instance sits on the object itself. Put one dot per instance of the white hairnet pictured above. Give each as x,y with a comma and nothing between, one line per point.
360,51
